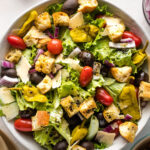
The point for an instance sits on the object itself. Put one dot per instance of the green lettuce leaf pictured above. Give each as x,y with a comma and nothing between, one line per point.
100,146
54,8
68,44
30,54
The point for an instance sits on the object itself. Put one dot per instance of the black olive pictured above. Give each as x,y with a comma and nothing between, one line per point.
86,58
27,113
61,146
88,145
70,6
102,122
104,70
36,77
141,76
73,121
9,72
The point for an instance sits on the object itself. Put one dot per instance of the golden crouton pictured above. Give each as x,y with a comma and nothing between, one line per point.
77,147
87,107
121,74
111,113
144,91
60,19
115,28
40,120
87,5
69,105
45,85
128,130
43,21
43,43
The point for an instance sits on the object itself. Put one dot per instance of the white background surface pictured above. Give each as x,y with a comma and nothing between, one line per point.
11,9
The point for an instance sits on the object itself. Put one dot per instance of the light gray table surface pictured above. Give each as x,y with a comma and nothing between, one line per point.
11,9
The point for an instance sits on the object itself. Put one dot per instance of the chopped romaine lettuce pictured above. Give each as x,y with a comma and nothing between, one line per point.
30,54
100,146
54,8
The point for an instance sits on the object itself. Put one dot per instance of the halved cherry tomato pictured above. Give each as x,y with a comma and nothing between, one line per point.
103,96
115,127
86,76
24,125
16,42
55,46
128,34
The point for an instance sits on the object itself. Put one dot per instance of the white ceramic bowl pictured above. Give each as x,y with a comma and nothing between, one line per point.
25,139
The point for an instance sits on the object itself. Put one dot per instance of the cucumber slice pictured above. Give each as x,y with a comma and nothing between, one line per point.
93,128
10,110
5,96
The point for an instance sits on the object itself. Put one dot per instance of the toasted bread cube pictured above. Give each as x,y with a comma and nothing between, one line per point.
77,147
87,5
87,107
43,21
60,19
144,91
45,85
105,137
121,74
69,106
44,64
40,120
111,113
128,130
43,43
115,28
33,35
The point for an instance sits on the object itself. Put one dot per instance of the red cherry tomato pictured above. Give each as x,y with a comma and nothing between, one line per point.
24,125
86,76
115,127
103,96
55,46
128,34
16,42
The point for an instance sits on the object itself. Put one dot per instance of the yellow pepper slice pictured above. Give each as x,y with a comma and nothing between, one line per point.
140,55
33,15
78,133
31,94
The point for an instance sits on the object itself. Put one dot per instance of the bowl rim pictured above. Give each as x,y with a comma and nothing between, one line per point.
143,6
45,2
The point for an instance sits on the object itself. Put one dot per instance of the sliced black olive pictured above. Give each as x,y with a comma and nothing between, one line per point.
141,76
104,70
27,113
86,58
88,145
36,77
9,72
102,122
70,6
61,145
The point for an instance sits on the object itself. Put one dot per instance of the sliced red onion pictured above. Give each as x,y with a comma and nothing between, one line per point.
7,64
108,129
75,52
8,81
127,40
32,71
51,75
49,34
128,117
122,45
56,33
39,52
108,64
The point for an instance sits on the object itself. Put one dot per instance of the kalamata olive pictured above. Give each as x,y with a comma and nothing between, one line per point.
28,113
102,122
73,121
61,145
86,58
104,70
36,77
9,72
70,6
88,145
141,76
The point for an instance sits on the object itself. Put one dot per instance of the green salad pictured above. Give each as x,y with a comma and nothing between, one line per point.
73,76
